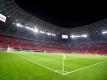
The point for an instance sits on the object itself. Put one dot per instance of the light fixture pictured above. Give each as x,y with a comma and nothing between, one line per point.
19,25
35,30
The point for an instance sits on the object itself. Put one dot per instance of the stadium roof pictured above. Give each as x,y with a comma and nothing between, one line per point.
16,14
63,14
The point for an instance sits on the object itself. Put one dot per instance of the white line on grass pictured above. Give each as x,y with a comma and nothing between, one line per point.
40,65
83,68
65,73
61,70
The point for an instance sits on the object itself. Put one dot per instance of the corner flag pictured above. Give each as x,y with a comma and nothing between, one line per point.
64,57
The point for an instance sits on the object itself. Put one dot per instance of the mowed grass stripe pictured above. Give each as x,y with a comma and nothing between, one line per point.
84,67
17,68
72,63
97,72
13,67
53,61
39,64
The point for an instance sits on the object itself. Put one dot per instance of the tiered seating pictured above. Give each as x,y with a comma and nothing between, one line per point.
32,45
2,38
14,40
3,45
14,46
90,48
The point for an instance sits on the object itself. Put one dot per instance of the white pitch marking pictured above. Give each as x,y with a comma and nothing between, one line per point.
41,65
65,73
83,68
61,70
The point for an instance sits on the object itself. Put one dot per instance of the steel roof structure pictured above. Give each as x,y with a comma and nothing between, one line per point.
10,9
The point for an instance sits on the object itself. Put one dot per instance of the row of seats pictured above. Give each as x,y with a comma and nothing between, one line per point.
21,43
13,42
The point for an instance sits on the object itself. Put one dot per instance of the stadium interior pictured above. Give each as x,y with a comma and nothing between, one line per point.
47,37
24,32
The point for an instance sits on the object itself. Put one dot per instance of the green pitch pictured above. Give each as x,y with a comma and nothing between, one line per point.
52,66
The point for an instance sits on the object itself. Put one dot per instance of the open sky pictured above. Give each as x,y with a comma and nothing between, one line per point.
63,13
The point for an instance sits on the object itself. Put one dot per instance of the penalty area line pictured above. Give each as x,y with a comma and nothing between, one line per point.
40,65
83,68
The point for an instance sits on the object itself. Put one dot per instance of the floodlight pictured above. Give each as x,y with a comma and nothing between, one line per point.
72,36
104,32
42,32
19,25
75,36
48,33
35,30
79,36
28,28
53,34
84,35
